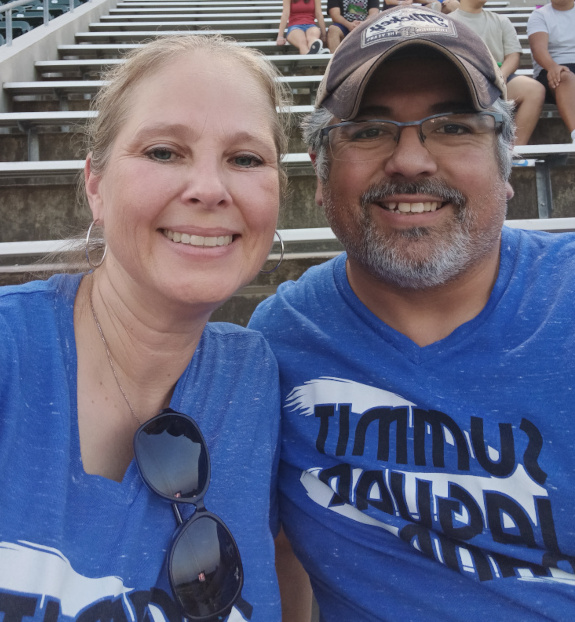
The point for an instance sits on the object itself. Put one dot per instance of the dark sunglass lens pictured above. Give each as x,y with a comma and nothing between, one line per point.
172,457
205,569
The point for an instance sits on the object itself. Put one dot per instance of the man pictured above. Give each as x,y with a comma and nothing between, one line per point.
499,34
345,16
551,32
428,435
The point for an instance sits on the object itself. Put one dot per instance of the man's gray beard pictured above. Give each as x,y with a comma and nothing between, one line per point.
381,254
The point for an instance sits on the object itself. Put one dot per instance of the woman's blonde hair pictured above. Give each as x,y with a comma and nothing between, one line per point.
113,99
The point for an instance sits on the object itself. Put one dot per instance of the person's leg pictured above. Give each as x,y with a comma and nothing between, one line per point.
334,37
565,98
529,96
311,35
297,37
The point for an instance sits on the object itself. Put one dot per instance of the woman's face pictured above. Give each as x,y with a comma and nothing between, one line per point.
189,198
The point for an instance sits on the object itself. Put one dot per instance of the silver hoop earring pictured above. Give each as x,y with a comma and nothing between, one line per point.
87,250
281,255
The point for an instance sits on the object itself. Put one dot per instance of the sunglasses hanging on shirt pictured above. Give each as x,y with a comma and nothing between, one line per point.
204,565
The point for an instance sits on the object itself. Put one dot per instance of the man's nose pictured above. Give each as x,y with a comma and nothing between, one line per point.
410,158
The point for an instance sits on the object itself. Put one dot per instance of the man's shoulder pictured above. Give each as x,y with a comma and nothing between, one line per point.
478,19
540,246
302,297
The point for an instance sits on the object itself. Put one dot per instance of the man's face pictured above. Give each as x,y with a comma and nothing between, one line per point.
414,219
562,5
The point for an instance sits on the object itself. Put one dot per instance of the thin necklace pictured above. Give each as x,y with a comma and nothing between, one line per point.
110,358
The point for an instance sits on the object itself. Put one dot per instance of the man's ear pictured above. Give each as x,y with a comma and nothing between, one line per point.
93,192
509,190
319,186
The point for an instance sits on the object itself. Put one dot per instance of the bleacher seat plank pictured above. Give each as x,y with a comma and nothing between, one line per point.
221,25
67,87
289,236
68,117
249,19
105,49
161,13
92,65
491,4
240,34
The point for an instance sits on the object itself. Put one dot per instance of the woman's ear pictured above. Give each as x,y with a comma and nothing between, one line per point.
92,184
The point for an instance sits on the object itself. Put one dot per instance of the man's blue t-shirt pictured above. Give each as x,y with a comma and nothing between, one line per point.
432,483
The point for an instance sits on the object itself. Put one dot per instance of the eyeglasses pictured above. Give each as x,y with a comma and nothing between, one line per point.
204,565
446,133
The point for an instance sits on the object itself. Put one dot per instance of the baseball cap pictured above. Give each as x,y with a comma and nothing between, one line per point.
400,29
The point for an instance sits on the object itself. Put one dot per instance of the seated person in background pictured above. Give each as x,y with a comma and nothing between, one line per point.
300,16
426,469
499,34
445,6
347,15
551,31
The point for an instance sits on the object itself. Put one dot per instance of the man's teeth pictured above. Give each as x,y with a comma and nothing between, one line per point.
413,208
198,240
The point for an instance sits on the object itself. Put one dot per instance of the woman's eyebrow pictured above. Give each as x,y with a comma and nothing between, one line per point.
259,137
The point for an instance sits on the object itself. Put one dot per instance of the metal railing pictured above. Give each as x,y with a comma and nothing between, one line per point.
7,8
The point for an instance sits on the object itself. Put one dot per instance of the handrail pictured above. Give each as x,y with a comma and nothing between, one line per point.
7,8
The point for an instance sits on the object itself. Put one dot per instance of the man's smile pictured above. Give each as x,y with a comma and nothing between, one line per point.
417,207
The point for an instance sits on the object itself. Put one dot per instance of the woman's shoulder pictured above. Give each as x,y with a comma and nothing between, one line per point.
232,336
33,293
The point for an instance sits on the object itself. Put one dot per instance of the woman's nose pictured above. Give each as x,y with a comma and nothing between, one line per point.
206,183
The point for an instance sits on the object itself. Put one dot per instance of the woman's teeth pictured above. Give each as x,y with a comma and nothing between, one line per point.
198,240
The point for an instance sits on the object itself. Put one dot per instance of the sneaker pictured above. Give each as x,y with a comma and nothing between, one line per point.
326,51
316,47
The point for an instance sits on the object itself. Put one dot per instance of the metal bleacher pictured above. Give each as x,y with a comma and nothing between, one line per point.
45,106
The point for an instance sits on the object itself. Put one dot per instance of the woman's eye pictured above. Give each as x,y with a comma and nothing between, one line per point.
247,160
161,154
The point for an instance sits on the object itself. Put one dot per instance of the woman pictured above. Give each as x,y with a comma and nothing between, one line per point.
550,31
300,17
183,177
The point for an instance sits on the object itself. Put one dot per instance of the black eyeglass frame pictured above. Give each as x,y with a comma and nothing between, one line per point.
200,513
497,117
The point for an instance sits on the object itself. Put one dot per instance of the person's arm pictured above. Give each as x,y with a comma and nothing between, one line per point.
281,40
510,64
448,6
319,19
373,7
539,43
295,588
511,47
338,18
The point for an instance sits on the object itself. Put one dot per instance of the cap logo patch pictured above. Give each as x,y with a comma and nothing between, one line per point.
403,23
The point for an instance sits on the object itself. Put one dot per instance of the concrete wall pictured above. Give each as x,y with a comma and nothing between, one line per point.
41,43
